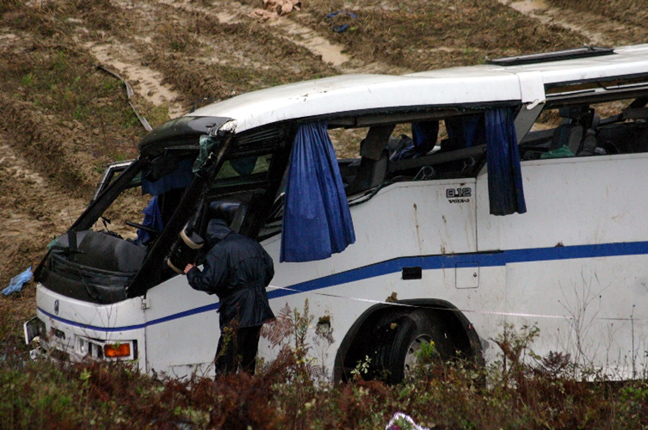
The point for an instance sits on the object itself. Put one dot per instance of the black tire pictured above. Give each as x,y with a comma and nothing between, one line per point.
398,342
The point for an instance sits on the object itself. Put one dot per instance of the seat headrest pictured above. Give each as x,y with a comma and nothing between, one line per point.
596,121
571,112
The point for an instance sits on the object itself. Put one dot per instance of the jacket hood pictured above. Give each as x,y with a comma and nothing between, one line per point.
217,230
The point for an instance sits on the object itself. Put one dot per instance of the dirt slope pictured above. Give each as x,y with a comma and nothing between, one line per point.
62,119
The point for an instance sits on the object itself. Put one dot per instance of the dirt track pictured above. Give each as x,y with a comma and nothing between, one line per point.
62,119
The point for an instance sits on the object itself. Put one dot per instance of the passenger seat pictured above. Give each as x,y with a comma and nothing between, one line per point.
589,144
370,173
374,163
569,135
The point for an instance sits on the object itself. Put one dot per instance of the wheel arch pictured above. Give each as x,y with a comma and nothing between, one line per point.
459,329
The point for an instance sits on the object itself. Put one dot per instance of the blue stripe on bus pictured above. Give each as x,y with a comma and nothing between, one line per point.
207,308
484,259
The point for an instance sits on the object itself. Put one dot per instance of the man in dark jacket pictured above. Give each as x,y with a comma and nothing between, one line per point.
238,270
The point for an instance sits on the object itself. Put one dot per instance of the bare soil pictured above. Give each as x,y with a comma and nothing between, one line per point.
62,119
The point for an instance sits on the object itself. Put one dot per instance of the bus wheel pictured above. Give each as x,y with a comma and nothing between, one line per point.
401,356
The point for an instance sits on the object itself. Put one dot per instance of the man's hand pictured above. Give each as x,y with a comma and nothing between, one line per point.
188,267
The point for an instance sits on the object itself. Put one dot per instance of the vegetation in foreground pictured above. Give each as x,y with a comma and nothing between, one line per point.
288,394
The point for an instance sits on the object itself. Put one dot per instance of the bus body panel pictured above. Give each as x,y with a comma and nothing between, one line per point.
182,329
80,329
575,262
573,201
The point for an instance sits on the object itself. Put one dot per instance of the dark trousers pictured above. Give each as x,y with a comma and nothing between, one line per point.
237,347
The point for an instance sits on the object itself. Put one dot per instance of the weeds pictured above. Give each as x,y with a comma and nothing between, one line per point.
522,390
361,369
289,333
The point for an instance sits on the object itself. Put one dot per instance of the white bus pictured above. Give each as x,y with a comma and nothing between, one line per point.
506,193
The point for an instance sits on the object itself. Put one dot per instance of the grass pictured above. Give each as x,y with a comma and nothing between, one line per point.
446,35
207,59
288,394
632,12
66,113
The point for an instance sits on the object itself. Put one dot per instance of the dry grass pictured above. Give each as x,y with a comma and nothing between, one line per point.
284,395
422,35
633,12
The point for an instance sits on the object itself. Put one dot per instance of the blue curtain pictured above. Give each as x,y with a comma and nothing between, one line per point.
152,219
181,177
317,221
424,137
503,160
466,131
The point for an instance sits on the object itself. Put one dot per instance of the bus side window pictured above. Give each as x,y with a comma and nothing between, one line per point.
583,131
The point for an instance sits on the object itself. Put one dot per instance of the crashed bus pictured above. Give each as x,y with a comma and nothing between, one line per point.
503,194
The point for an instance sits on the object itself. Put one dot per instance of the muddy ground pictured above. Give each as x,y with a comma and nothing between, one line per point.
62,118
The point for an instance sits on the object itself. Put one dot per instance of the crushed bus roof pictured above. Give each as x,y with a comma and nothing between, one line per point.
489,83
352,93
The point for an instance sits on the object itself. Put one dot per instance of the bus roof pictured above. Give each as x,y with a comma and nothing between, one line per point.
472,85
624,62
353,93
